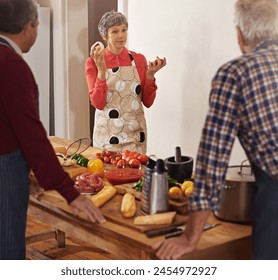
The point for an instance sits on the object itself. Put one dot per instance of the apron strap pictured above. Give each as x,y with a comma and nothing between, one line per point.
131,59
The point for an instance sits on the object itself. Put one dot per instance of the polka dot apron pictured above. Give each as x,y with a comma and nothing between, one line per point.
121,125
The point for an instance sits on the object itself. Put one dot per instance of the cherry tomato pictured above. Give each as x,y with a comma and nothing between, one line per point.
125,154
106,159
134,163
113,161
121,163
135,154
143,159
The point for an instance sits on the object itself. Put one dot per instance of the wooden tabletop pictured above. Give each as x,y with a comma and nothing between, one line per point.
124,241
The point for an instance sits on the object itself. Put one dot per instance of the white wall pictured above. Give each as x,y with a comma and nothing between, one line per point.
70,51
196,37
39,61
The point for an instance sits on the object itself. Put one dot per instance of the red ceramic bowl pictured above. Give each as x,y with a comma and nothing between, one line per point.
120,176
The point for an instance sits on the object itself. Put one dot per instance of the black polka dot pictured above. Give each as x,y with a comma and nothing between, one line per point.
142,137
114,140
113,114
131,57
138,89
115,69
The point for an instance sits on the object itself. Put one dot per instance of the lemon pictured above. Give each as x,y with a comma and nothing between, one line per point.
187,184
175,192
95,166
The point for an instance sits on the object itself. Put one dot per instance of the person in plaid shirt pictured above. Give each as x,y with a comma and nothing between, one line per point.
244,104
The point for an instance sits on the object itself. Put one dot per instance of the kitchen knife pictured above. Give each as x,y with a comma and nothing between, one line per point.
180,230
160,231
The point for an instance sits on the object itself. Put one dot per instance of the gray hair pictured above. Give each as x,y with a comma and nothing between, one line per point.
257,20
14,14
110,19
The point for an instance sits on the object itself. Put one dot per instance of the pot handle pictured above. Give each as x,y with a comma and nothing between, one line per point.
241,167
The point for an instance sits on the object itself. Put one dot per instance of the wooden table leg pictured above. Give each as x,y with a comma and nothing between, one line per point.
61,238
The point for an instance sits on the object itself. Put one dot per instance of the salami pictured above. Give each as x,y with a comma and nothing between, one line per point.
89,183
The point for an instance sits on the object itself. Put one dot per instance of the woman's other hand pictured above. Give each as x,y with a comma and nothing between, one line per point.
154,66
82,203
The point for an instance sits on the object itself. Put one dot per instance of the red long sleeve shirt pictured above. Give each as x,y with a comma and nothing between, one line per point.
21,127
98,88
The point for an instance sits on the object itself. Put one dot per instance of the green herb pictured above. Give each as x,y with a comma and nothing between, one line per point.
139,185
173,182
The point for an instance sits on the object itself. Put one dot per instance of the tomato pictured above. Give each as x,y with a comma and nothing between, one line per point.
125,154
95,166
113,161
99,155
134,154
121,163
134,163
109,153
143,159
106,159
128,158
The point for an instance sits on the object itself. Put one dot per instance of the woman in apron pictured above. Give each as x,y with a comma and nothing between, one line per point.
120,81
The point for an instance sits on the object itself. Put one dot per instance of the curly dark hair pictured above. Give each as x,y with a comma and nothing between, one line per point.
14,14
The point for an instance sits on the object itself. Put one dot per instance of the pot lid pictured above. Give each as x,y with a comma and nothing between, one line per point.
240,173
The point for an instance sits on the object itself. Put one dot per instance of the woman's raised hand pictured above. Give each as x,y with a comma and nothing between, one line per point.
154,66
97,53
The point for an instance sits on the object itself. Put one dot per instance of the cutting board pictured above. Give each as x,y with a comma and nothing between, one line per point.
111,211
75,170
180,206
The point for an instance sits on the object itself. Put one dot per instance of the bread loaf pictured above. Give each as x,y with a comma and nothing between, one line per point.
104,195
128,207
155,219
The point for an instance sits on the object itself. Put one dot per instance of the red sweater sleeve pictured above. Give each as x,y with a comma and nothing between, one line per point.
149,87
97,88
25,130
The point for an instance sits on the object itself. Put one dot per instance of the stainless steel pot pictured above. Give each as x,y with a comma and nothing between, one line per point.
237,195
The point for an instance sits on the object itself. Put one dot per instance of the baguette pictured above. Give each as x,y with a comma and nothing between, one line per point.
104,195
128,207
155,219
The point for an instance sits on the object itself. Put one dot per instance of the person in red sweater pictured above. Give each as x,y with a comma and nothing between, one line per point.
23,143
119,81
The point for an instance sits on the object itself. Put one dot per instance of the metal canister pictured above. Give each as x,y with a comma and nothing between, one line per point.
146,189
159,200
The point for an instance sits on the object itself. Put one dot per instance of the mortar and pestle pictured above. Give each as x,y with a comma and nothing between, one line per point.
179,167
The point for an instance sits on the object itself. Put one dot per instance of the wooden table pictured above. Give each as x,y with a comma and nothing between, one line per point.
226,241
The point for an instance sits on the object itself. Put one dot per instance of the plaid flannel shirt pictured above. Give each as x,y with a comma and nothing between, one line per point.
243,104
